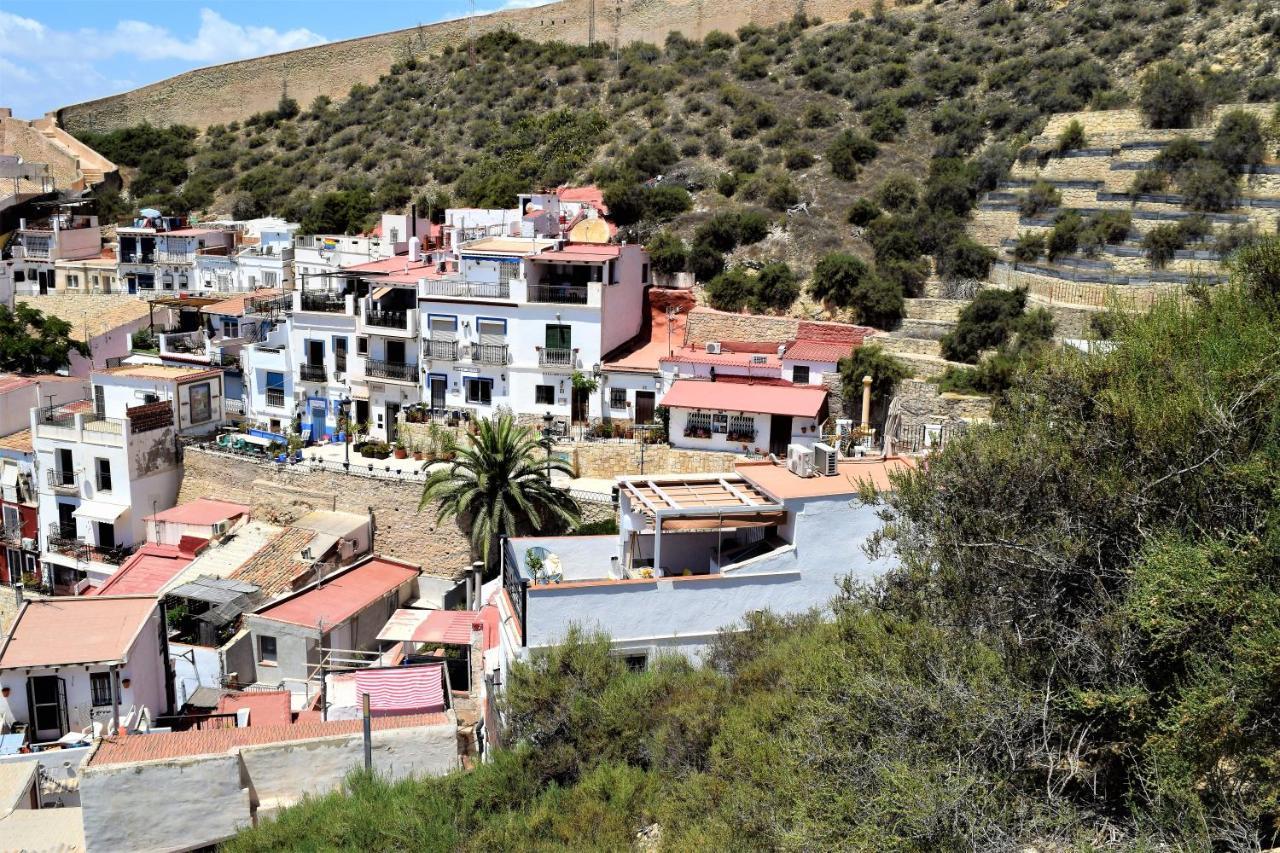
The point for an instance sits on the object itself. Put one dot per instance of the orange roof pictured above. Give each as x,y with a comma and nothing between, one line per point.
75,630
430,626
817,351
641,354
699,355
798,400
157,747
275,568
12,382
20,441
781,484
147,571
587,252
234,306
591,194
339,598
266,707
201,511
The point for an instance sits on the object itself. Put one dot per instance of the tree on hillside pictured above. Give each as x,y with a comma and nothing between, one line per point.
870,360
31,342
499,486
1170,96
984,324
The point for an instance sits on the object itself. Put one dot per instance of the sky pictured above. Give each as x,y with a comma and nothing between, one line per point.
59,52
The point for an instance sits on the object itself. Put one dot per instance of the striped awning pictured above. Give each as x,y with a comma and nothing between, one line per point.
401,689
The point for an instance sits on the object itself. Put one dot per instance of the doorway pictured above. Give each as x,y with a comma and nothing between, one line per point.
393,412
581,405
318,411
395,352
315,353
437,385
645,407
46,281
362,412
47,699
779,435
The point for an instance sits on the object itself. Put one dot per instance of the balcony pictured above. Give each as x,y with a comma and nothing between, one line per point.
375,368
437,350
62,482
275,398
561,358
185,343
458,287
313,373
559,294
490,354
11,534
63,540
328,303
386,319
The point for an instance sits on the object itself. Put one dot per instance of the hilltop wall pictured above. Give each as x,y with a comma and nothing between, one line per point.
235,90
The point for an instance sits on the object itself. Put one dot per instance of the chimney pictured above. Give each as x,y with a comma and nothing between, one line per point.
413,220
413,250
866,404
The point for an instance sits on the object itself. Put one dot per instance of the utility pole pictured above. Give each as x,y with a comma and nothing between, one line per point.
591,22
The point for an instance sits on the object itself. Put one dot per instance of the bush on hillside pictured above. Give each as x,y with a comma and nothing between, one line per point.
870,360
985,323
837,277
1039,197
964,259
775,288
705,260
862,212
1148,181
1238,142
1207,185
1072,137
1065,236
667,253
730,290
1170,96
898,193
1029,247
848,152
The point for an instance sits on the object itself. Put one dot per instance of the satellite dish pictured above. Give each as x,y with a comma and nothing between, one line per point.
590,231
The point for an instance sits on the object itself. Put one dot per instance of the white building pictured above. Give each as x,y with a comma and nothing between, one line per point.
694,555
38,246
264,259
158,254
268,376
317,256
90,665
104,464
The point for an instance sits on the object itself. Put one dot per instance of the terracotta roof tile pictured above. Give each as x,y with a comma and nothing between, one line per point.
275,568
157,747
342,595
20,440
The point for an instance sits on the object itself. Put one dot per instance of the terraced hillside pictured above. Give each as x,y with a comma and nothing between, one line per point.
1099,178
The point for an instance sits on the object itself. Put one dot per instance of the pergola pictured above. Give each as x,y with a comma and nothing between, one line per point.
692,503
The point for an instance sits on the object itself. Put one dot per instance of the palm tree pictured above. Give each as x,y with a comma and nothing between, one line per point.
500,483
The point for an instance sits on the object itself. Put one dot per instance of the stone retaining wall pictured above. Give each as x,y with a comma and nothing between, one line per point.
281,494
606,460
1045,289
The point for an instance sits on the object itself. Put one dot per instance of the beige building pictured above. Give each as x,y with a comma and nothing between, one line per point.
87,275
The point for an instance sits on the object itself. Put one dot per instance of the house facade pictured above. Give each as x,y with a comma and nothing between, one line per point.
158,254
38,246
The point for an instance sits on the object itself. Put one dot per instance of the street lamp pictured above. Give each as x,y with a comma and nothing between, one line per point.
546,439
345,404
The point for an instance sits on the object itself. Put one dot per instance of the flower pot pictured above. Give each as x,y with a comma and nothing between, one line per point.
401,453
417,456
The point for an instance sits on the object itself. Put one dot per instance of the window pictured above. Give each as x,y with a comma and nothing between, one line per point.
100,688
201,403
362,346
800,374
275,390
99,401
230,327
559,336
617,398
698,425
544,395
106,534
742,428
150,398
104,475
267,649
644,274
270,279
73,280
636,662
479,391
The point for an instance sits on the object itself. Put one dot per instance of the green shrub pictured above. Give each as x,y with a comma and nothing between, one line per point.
705,261
667,253
799,158
1039,197
1207,185
1065,236
730,290
1180,152
1072,137
964,259
985,323
745,158
863,212
885,121
1030,246
848,151
837,277
898,193
1170,96
1161,243
1148,181
775,288
1238,141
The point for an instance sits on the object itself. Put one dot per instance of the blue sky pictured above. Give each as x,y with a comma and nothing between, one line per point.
58,52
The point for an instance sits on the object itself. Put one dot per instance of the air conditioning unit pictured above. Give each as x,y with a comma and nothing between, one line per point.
713,347
824,457
219,529
800,460
30,545
759,359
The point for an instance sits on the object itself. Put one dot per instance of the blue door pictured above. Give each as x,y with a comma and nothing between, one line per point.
317,420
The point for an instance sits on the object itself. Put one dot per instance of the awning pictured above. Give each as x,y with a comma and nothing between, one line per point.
99,511
450,627
726,521
379,292
402,689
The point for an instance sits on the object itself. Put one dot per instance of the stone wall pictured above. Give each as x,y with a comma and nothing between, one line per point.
917,403
282,494
8,607
235,90
1048,290
707,324
606,460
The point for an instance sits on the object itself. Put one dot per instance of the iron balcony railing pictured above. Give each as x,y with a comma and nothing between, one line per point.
313,373
275,398
548,357
379,369
62,482
188,342
11,533
387,319
332,303
490,353
565,294
438,350
462,287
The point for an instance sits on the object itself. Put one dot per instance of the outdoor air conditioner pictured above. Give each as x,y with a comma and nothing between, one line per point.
824,457
29,545
800,460
713,347
219,529
759,359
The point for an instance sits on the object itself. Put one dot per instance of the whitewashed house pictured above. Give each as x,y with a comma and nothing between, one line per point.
104,464
83,667
694,555
38,246
158,254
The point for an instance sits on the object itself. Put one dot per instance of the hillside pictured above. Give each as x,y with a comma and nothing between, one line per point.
1079,650
803,122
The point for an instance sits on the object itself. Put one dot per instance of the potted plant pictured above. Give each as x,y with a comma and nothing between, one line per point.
295,446
417,452
401,452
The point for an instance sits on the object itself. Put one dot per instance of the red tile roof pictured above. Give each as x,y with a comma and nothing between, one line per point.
157,747
148,570
699,355
817,351
75,630
234,306
588,252
19,441
201,511
275,568
12,382
797,400
591,194
341,596
266,707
